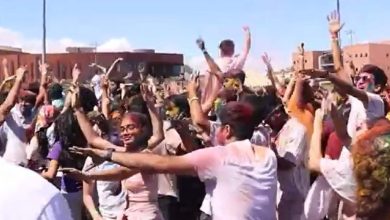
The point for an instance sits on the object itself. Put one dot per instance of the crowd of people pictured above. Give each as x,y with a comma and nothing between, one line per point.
209,148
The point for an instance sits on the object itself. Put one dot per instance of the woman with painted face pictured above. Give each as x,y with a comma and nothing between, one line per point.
242,176
136,135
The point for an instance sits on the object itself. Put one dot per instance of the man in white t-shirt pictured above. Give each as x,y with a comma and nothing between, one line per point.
15,120
366,103
243,175
368,106
26,195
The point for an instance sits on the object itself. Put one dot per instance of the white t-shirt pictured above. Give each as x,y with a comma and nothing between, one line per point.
359,114
167,184
95,81
294,183
260,137
244,186
13,131
111,196
26,195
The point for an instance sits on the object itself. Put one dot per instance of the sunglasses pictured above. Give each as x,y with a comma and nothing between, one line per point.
365,78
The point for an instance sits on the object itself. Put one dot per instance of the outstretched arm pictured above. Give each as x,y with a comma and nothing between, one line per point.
113,66
92,137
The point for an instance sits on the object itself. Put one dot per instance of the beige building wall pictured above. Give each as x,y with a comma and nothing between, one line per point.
311,59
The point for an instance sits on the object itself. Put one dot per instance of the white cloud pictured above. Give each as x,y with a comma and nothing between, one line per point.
14,39
115,45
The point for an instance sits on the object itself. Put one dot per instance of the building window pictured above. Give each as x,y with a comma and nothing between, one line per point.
361,55
294,62
366,54
356,69
305,61
356,55
387,55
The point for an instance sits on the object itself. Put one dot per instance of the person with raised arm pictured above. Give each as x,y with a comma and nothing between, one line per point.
100,71
280,89
210,164
227,61
137,135
16,114
366,103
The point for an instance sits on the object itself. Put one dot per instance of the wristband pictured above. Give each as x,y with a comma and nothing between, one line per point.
190,100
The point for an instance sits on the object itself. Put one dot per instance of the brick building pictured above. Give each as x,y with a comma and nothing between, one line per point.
158,64
361,54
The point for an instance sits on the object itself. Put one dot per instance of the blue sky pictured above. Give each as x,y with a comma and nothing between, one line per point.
173,25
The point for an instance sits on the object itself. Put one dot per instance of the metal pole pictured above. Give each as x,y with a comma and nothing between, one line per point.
339,14
44,33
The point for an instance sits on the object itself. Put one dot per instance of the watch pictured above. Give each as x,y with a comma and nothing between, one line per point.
108,154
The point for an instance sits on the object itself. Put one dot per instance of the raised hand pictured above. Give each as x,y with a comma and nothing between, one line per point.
4,62
246,29
193,84
75,101
21,72
334,23
43,67
76,73
200,43
147,94
92,65
267,61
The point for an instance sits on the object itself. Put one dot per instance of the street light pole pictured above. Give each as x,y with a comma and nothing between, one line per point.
44,32
339,14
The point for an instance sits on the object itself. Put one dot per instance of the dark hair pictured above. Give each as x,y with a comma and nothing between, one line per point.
88,99
380,77
228,95
33,87
240,118
43,142
259,105
31,99
141,141
136,104
237,74
55,91
227,47
181,102
67,131
3,96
